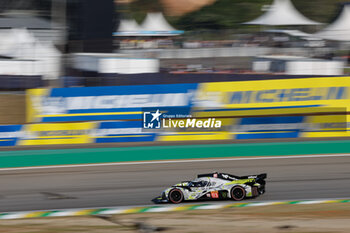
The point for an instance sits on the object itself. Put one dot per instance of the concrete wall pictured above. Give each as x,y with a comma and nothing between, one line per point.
221,52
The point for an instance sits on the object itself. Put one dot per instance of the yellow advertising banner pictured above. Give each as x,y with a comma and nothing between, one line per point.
323,101
195,136
330,91
34,102
57,133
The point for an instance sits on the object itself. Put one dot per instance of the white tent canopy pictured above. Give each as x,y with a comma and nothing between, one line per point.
156,22
154,25
340,29
20,44
282,12
129,25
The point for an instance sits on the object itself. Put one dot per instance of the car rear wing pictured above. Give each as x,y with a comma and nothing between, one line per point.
230,177
262,176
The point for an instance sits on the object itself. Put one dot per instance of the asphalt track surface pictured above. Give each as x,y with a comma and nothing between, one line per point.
137,184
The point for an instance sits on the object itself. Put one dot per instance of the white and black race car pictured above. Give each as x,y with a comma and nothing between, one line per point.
214,186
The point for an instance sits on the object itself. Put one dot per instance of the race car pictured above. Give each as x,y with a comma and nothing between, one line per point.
215,186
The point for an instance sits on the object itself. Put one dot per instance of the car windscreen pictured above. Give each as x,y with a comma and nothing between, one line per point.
198,183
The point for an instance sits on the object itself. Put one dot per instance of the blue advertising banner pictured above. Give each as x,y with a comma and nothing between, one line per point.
9,134
269,127
122,131
104,103
74,133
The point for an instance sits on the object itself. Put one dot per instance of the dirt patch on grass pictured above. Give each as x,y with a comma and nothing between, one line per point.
322,218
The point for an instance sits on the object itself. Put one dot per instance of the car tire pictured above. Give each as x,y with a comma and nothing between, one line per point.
238,193
175,196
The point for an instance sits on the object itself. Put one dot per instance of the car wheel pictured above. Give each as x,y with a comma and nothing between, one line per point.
238,193
175,196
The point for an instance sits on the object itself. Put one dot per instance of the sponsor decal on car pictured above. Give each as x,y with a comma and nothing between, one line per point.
214,194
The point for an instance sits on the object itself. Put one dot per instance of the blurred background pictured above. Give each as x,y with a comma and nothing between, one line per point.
76,73
86,43
61,43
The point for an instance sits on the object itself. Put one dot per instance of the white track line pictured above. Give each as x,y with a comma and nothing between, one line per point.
174,161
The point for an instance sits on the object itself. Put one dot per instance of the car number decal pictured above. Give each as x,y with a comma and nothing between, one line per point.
214,194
